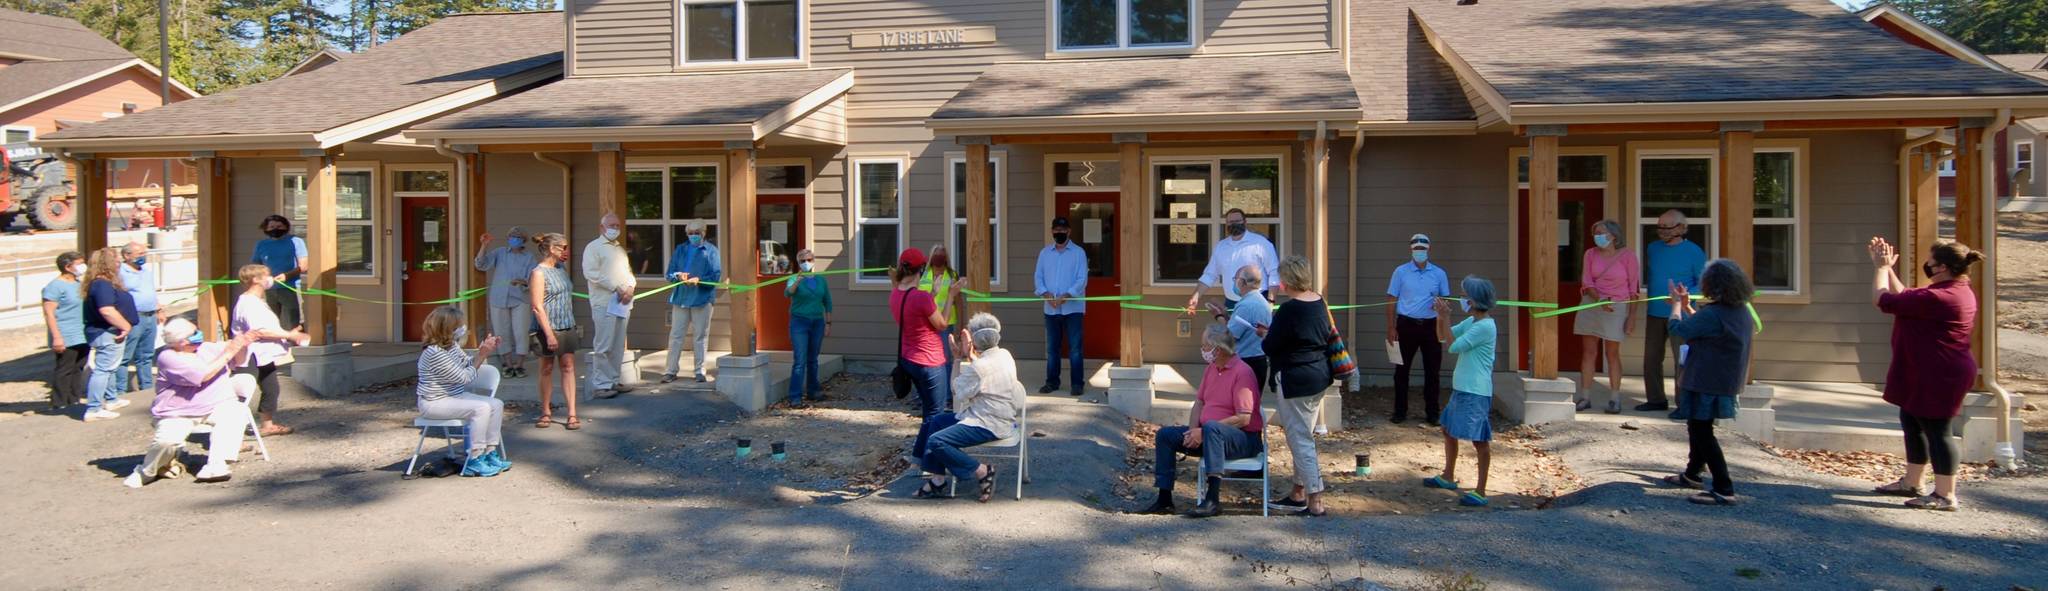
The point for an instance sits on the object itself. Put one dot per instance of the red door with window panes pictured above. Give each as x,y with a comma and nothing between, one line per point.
424,273
1093,216
1577,211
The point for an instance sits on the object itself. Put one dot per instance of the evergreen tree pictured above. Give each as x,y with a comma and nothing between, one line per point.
1989,26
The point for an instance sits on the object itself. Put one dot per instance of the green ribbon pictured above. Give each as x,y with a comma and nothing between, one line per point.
995,300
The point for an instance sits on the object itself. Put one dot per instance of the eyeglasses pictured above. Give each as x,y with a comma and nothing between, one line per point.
1671,227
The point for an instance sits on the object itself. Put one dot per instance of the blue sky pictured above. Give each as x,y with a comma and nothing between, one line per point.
1849,4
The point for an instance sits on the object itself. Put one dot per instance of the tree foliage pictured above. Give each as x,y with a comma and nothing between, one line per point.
1989,26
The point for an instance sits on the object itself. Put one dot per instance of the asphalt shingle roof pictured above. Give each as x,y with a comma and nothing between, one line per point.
457,53
2020,61
655,100
1602,51
1399,76
1280,82
53,38
28,79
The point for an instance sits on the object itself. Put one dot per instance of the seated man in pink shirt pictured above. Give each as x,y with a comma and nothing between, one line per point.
194,387
1224,425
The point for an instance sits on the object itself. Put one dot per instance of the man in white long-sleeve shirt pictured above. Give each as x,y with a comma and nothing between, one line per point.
1239,248
611,280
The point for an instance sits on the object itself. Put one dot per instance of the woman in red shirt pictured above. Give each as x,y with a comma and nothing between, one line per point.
1932,367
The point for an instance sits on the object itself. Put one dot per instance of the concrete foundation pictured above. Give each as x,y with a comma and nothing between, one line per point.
1130,391
1976,429
744,380
1533,401
1754,416
327,369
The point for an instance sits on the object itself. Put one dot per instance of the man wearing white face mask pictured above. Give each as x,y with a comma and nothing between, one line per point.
694,262
610,275
1411,325
1239,247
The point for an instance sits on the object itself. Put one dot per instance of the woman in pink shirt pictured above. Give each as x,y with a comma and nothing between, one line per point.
1612,274
1224,424
920,355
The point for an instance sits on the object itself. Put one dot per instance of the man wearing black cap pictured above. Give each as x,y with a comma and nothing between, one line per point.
1061,279
1411,325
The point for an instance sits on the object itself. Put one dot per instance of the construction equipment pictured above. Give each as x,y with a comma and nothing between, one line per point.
34,184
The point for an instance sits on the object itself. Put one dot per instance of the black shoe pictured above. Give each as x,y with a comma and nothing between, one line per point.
1397,419
607,393
668,377
1079,391
1206,509
622,388
1048,389
1652,406
1160,506
1288,503
1676,416
1431,422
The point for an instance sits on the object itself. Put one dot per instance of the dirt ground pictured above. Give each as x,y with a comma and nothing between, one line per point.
2023,271
851,443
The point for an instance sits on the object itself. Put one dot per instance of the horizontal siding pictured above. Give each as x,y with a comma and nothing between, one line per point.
922,77
623,36
1231,26
826,124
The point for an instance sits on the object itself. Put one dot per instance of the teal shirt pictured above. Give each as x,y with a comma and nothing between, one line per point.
1473,343
811,298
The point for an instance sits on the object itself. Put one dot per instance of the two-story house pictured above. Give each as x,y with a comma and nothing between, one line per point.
1502,128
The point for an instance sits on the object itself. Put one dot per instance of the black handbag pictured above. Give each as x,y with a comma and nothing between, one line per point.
902,376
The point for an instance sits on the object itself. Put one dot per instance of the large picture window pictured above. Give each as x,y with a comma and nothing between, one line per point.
661,203
1689,181
878,214
956,242
1686,181
1189,199
1082,25
355,215
741,30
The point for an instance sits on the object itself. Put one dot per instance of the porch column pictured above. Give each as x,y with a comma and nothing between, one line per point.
478,309
977,258
611,180
1542,247
1319,208
1974,201
89,175
1736,224
742,266
1924,202
1130,236
321,248
212,237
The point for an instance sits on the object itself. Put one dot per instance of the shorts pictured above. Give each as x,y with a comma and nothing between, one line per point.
569,339
1608,325
1468,417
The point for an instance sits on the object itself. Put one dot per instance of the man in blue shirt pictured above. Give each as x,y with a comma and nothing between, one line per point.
1671,259
1061,279
694,261
1411,325
139,349
285,255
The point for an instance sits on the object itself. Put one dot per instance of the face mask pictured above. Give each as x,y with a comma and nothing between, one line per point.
1420,256
1929,269
461,332
1059,237
196,338
1601,240
140,260
1208,355
1466,305
696,239
804,266
611,234
276,232
269,282
78,269
941,261
515,242
1235,229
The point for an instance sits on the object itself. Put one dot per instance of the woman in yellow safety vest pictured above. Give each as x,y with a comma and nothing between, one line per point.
943,283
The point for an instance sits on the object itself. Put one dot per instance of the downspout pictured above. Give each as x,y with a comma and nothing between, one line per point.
1987,299
1351,238
568,195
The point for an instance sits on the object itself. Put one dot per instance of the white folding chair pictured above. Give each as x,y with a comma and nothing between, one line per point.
1020,440
451,431
1257,463
254,430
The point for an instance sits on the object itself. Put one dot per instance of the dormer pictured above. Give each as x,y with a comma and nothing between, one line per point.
656,36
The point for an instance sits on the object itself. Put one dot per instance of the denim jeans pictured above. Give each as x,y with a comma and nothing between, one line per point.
140,351
1063,328
106,355
1220,443
946,387
924,379
943,451
806,335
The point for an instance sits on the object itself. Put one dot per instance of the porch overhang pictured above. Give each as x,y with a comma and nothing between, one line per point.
1143,123
751,107
1145,95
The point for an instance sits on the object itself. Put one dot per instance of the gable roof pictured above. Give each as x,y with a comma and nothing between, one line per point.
738,105
30,36
456,62
27,82
1302,87
1399,77
1899,22
2022,61
320,59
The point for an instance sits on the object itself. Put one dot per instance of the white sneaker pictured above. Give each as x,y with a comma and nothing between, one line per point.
134,479
117,404
213,473
101,415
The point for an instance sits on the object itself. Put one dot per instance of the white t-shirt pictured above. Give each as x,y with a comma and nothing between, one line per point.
1232,254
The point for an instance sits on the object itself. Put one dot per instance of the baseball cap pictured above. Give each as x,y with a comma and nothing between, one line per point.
1420,241
911,257
1061,222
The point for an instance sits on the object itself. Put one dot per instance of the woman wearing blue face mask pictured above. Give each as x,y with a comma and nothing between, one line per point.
810,310
1610,273
511,313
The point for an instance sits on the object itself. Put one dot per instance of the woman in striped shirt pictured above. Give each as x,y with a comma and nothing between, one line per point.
555,337
448,381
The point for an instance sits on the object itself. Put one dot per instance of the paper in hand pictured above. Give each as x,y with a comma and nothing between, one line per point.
618,308
1394,353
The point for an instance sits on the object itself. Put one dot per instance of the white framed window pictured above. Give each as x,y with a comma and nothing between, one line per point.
15,134
1096,25
956,217
662,200
878,214
1189,199
739,31
355,215
1779,235
2022,155
1688,180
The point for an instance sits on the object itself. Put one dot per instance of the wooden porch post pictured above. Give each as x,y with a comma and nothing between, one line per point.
212,235
611,180
1542,247
90,176
1972,200
1319,209
977,255
742,263
1737,219
478,309
321,248
1924,204
1130,234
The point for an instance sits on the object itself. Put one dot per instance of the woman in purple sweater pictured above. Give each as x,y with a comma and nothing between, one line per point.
1932,367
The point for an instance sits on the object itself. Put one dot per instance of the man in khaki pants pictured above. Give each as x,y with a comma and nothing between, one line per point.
611,281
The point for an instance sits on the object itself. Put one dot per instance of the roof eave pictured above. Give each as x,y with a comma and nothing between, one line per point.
718,132
386,123
182,143
1131,123
1414,128
1949,45
1777,110
74,83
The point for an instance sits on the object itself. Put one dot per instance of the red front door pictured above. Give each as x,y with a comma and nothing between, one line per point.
781,232
1577,211
423,276
1093,216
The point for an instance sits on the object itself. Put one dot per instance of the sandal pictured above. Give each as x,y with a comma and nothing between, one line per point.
1683,481
1439,482
544,421
1712,498
930,490
1934,502
988,485
1899,489
276,430
574,424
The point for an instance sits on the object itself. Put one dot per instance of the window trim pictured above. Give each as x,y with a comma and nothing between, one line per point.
1802,204
668,222
860,219
376,208
740,59
1000,170
393,206
2017,164
7,128
1123,45
1152,284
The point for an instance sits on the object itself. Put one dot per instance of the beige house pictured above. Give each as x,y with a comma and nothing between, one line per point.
1341,126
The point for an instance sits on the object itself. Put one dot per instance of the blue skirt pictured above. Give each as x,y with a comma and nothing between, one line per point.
1468,417
1696,406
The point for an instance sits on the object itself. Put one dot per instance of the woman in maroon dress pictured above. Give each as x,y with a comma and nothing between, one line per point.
1932,367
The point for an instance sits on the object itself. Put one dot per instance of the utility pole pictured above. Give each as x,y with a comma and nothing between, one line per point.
163,62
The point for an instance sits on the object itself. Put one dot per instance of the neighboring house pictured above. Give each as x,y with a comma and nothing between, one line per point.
321,59
55,74
2027,141
1341,127
2018,145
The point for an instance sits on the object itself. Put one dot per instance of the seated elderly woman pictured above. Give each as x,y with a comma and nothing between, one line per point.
1224,424
987,398
195,386
448,381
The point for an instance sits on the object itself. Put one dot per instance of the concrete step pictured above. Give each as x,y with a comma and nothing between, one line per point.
651,366
1836,417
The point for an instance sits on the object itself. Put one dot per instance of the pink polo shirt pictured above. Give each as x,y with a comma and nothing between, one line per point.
1229,391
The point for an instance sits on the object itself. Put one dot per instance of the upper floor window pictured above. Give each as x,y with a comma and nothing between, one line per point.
740,30
1123,24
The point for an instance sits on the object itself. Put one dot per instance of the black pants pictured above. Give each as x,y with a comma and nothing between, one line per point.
1656,340
1705,452
1929,437
285,305
1263,369
1418,334
266,385
67,387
